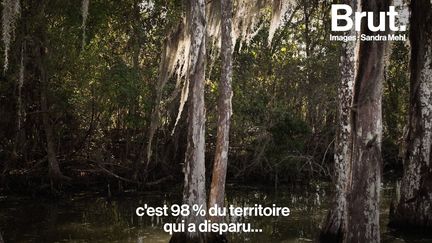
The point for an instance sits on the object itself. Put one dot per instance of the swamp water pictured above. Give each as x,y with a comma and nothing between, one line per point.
91,218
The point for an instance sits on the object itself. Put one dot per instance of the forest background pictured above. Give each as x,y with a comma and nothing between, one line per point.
93,96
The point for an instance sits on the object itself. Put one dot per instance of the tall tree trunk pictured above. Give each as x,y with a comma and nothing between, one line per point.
414,209
217,189
41,53
53,166
19,106
194,168
364,189
335,226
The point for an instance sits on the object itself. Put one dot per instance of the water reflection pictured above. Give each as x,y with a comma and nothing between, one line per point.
88,218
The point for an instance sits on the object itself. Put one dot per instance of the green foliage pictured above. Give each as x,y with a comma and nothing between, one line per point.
289,134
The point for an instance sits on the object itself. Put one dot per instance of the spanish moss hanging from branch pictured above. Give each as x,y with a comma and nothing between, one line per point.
11,12
246,19
279,10
173,61
247,22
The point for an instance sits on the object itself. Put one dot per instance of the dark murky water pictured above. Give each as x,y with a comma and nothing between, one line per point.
89,218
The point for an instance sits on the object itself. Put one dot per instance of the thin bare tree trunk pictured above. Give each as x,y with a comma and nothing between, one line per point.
217,189
19,115
41,52
335,226
194,168
53,166
414,209
364,189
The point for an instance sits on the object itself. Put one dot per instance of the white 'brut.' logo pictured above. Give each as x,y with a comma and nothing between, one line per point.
344,22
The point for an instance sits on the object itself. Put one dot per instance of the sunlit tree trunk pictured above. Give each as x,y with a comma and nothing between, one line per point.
217,189
194,167
84,13
415,205
335,226
364,188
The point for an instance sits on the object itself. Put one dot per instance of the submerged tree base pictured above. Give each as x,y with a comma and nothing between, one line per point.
216,238
413,216
328,236
202,238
